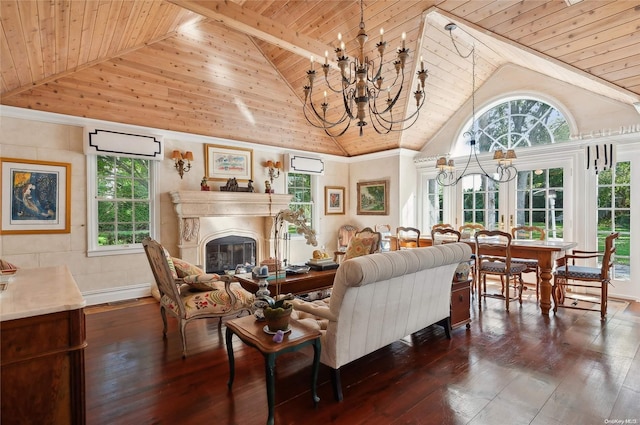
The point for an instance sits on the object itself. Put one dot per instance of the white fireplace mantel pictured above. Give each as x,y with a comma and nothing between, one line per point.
191,204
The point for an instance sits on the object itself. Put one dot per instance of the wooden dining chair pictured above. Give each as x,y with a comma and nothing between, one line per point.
442,226
568,273
529,232
493,257
468,230
407,237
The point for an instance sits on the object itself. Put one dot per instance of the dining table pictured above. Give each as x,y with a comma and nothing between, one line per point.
546,252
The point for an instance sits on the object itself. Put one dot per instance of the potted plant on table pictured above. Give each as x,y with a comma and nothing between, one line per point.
278,310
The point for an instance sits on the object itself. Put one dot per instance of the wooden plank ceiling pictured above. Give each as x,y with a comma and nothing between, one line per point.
237,69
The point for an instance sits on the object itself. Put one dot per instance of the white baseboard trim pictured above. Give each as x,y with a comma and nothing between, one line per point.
121,293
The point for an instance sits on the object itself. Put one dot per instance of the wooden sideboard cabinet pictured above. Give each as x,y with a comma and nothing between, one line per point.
460,304
42,349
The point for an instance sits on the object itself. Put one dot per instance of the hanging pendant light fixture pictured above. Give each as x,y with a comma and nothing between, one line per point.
505,170
362,88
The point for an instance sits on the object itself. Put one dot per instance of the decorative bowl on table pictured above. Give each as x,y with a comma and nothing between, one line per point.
298,269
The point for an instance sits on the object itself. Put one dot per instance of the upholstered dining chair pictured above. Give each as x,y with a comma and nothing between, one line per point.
567,273
345,233
493,257
385,232
441,226
193,297
365,241
529,232
407,237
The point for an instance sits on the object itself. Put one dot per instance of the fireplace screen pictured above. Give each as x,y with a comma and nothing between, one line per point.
228,252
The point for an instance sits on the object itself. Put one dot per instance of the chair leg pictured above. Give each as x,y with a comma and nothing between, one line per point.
537,283
183,337
163,313
603,301
507,295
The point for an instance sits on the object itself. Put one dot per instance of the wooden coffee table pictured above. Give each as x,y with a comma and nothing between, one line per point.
294,283
252,333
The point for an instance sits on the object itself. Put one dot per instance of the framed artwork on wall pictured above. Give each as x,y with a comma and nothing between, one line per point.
373,198
36,196
223,163
333,200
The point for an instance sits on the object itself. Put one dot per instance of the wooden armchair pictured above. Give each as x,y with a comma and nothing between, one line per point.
585,277
193,297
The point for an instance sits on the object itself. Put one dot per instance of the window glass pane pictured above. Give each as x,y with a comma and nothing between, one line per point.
120,181
518,123
614,214
299,185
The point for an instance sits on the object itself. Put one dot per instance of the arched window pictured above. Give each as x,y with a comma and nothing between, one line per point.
517,123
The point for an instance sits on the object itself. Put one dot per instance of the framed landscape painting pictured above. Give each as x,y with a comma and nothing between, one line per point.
36,196
373,198
333,200
223,163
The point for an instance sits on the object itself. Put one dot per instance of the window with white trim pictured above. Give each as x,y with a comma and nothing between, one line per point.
480,198
433,203
540,200
301,187
614,215
121,203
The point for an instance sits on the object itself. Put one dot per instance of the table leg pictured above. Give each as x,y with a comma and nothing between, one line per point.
228,336
270,364
545,283
314,373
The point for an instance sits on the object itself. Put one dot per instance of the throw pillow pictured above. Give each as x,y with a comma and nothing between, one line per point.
184,269
174,274
5,265
202,282
358,247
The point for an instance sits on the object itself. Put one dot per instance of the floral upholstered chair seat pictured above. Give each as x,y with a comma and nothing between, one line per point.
213,300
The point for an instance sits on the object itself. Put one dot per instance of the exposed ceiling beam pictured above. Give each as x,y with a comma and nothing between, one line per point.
248,22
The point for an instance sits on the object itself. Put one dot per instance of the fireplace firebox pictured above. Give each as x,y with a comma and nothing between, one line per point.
227,252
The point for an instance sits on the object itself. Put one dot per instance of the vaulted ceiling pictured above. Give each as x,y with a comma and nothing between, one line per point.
236,69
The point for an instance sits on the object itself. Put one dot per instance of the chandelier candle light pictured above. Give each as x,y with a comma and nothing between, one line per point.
505,170
361,87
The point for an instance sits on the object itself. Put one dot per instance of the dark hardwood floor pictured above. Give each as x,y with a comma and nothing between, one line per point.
509,368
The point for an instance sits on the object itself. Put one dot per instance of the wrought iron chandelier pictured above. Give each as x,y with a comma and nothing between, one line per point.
505,170
361,86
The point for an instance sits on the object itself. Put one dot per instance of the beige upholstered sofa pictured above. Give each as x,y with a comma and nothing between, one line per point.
379,298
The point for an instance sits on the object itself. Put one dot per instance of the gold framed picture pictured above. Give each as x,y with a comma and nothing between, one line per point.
223,163
373,198
36,196
333,200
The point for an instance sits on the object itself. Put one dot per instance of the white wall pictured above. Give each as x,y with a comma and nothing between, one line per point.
42,136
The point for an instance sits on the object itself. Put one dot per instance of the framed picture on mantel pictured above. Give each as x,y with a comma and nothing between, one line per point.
223,163
36,196
373,198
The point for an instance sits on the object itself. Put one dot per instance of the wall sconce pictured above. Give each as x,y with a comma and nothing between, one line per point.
274,170
179,159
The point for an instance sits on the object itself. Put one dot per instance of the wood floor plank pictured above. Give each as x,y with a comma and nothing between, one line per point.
516,367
